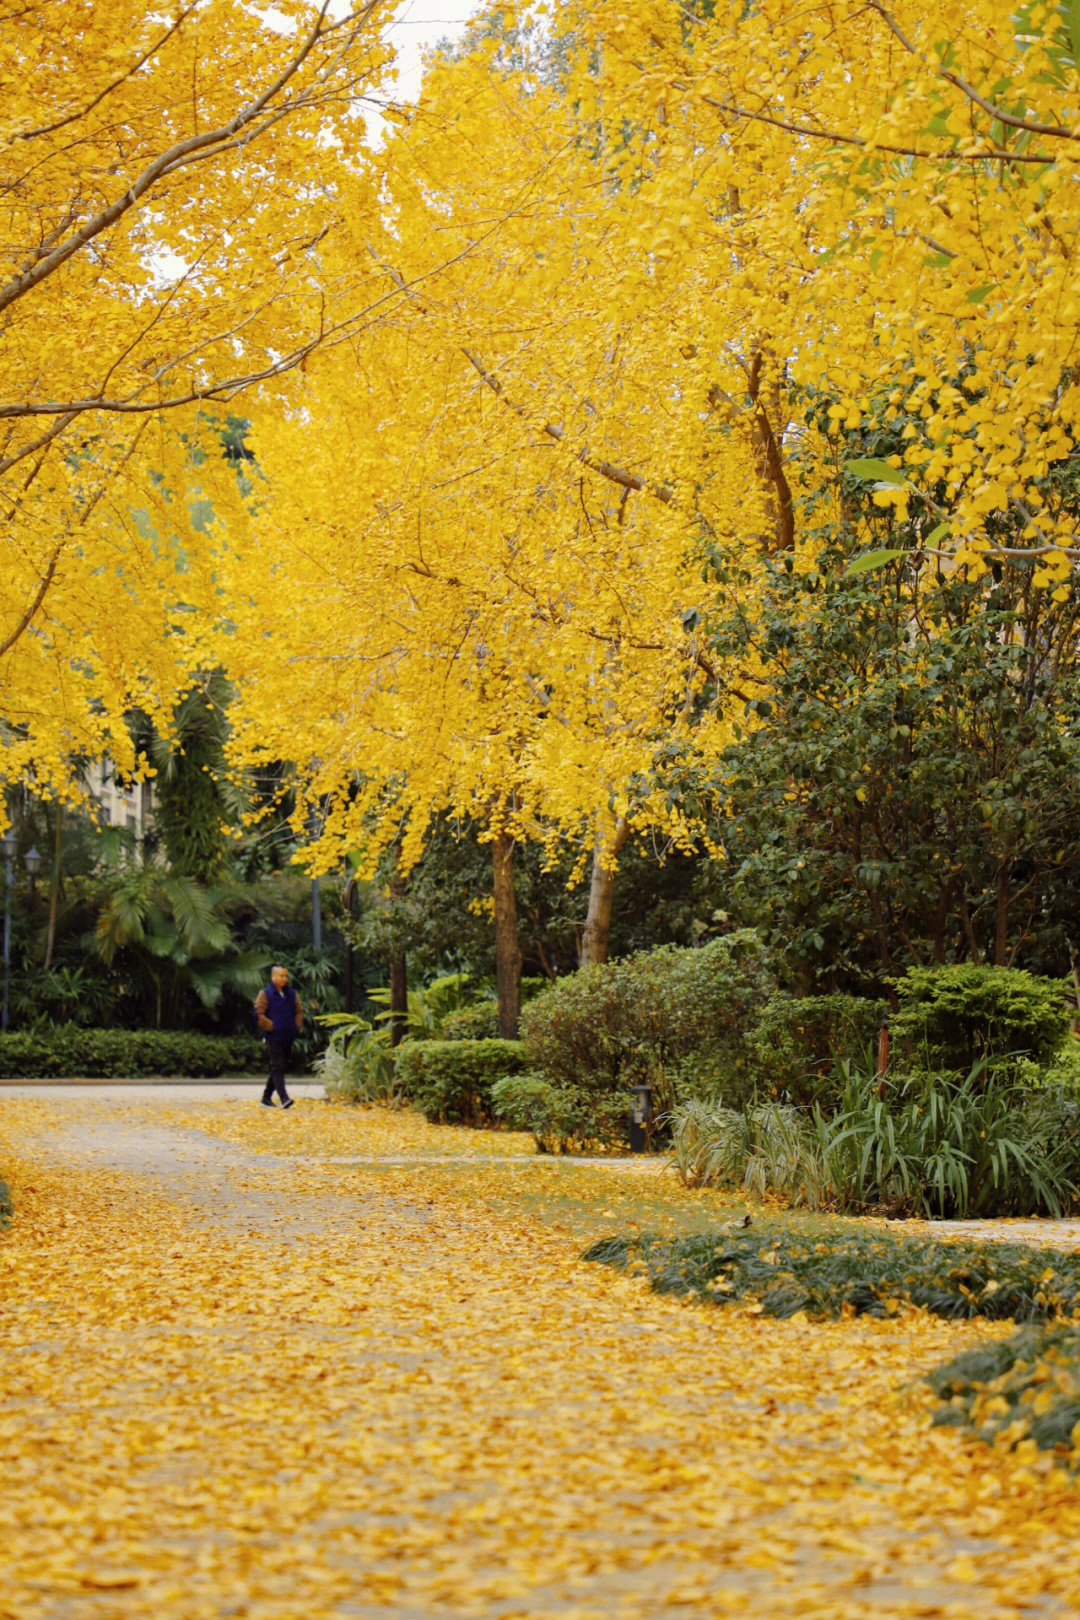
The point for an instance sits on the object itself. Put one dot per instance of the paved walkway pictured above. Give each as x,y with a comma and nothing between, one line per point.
241,1378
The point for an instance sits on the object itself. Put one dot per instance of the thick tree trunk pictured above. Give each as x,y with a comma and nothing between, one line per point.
594,941
507,944
399,973
399,997
54,889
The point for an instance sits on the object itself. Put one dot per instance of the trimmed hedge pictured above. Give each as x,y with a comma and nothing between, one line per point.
66,1052
451,1081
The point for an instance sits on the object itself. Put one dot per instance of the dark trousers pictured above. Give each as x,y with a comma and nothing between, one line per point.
278,1052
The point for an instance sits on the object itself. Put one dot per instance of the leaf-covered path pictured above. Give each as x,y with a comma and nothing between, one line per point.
243,1377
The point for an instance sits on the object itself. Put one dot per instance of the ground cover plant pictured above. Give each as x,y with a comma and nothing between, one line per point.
1021,1393
784,1272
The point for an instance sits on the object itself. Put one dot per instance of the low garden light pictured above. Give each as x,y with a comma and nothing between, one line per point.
641,1117
32,861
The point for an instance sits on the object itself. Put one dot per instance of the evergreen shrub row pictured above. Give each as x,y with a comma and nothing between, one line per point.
66,1051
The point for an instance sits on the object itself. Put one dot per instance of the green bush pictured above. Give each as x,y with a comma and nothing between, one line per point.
357,1066
562,1119
678,1018
771,1147
950,1017
477,1023
451,1081
868,1273
66,1051
798,1042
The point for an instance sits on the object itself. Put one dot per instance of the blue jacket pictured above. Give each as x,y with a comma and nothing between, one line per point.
283,1010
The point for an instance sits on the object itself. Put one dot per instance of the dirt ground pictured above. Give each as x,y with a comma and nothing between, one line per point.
337,1364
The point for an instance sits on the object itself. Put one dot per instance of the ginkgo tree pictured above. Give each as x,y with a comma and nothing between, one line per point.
567,328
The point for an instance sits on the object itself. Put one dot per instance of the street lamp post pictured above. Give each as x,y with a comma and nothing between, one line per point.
8,845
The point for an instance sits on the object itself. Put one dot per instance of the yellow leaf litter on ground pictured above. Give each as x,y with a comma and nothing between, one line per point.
235,1383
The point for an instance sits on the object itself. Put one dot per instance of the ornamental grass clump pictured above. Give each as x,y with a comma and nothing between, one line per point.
930,1143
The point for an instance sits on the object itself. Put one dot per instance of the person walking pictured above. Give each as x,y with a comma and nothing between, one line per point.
280,1016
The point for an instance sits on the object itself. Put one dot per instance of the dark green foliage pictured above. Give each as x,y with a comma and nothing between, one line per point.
191,809
947,1144
562,1119
908,791
65,1051
1025,1387
798,1043
953,1016
7,1209
451,1081
868,1273
477,1023
678,1018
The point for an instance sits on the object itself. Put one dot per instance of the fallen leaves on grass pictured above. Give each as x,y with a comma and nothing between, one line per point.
233,1386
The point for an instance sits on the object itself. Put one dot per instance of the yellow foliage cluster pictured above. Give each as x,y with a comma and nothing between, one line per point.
158,171
628,281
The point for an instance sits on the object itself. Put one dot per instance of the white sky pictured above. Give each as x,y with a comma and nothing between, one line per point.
419,24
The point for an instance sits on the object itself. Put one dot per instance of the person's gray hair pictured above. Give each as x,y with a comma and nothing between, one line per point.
277,968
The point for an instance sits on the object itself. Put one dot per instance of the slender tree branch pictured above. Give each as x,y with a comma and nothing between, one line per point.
39,597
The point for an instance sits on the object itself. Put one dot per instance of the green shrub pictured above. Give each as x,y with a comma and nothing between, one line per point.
868,1273
798,1042
562,1119
942,1143
1064,1071
950,1017
479,1022
770,1147
357,1065
677,1018
66,1051
7,1209
451,1081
